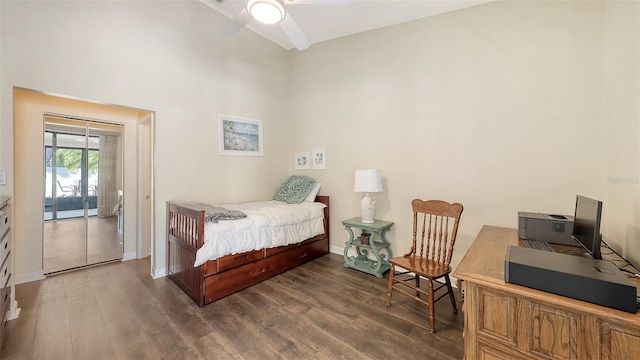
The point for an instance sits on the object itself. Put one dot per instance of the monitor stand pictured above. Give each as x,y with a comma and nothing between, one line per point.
577,252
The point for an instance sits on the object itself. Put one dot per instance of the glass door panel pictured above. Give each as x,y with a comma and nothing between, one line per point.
81,205
104,180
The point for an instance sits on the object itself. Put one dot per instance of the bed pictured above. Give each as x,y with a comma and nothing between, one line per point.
215,279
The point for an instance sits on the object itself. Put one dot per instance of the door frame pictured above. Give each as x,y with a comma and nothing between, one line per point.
146,198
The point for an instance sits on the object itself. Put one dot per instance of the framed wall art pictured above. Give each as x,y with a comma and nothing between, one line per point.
239,136
318,158
302,161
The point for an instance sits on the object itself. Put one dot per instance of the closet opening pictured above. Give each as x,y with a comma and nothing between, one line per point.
83,193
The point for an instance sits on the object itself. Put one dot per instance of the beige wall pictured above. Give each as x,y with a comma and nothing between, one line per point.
622,114
1,96
503,107
499,107
161,56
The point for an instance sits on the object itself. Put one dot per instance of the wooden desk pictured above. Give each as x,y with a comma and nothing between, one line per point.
506,321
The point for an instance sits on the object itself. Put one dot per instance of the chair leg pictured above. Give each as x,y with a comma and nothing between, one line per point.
432,310
451,295
417,285
390,287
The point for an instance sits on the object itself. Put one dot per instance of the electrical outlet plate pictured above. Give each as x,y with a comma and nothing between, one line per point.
3,177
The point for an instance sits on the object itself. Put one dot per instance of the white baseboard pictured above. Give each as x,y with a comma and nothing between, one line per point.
129,256
34,276
14,311
336,250
159,273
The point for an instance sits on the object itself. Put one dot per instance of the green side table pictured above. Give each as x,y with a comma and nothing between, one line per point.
371,241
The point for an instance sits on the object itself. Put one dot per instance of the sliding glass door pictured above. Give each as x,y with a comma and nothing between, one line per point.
82,193
70,168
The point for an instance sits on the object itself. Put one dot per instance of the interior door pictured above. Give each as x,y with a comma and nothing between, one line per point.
82,193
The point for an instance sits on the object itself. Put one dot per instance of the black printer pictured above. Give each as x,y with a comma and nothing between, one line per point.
556,229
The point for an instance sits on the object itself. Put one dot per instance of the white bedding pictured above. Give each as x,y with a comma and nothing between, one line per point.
268,224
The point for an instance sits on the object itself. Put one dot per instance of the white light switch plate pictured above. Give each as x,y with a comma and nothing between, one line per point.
3,177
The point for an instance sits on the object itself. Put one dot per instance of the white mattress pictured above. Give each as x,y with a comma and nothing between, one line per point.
268,224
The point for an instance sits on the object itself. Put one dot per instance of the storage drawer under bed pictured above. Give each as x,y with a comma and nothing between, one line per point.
218,285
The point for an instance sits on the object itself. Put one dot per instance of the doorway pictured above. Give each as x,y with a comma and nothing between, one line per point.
83,193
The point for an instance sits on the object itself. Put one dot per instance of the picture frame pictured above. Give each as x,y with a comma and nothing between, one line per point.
239,136
318,158
302,161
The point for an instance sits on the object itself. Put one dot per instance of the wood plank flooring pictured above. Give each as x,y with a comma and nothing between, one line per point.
320,310
66,246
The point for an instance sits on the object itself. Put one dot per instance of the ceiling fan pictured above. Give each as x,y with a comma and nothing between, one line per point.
270,12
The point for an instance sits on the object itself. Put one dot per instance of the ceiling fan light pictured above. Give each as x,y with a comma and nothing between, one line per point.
266,11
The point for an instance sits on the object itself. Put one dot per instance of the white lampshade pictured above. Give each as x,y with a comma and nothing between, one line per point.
369,180
266,11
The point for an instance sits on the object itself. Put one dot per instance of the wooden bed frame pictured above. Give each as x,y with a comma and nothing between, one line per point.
218,278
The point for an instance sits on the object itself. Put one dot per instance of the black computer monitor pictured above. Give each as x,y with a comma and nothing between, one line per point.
586,225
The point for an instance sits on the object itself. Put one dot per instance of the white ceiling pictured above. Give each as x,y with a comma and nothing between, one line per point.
322,20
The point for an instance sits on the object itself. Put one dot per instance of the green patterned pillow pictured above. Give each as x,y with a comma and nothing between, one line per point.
295,189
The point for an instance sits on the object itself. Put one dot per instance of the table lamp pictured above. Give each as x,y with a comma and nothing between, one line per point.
368,181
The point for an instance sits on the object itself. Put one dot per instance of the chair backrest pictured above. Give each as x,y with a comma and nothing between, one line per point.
66,189
435,227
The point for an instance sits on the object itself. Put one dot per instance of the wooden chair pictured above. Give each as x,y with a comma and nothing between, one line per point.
435,226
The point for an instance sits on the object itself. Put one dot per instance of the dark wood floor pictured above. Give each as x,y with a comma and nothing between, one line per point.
320,310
